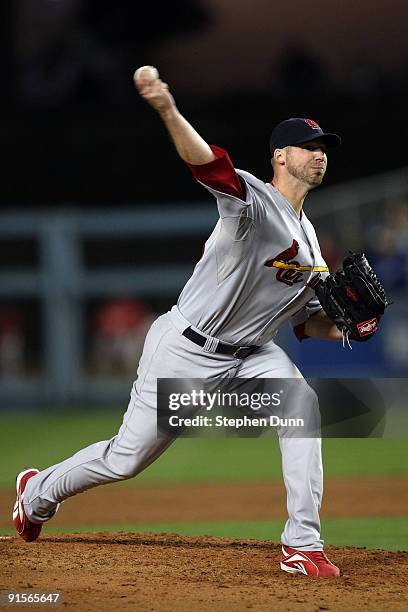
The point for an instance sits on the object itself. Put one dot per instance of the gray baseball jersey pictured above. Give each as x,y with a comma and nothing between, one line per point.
257,270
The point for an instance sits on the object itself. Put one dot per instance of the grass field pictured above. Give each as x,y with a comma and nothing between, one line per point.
46,439
49,438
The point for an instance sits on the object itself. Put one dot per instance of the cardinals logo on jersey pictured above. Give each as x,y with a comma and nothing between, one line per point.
288,276
291,271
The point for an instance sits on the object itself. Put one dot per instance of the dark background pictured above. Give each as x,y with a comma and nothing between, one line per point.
75,131
77,138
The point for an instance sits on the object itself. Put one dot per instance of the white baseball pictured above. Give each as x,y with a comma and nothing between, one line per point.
148,72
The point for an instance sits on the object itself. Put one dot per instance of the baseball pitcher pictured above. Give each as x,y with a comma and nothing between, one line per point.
260,269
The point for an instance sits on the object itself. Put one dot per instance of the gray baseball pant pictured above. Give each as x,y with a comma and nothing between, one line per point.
168,354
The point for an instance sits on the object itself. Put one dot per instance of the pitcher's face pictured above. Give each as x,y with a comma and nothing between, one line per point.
307,162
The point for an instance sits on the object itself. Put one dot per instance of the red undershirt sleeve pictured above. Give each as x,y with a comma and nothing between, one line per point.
219,174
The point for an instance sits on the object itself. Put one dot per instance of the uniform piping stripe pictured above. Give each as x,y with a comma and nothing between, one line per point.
285,266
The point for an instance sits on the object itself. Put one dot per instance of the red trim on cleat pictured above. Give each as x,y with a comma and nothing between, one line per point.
308,563
26,529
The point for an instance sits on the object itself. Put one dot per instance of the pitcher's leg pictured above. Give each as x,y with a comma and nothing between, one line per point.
167,354
128,453
301,457
303,476
134,447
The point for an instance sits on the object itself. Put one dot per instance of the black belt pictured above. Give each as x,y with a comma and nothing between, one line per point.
240,352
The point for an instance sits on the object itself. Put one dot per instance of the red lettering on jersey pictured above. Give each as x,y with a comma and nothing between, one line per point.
314,281
289,277
312,124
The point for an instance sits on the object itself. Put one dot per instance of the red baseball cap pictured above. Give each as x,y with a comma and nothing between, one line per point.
299,130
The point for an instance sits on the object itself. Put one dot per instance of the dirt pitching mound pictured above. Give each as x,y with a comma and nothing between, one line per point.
168,572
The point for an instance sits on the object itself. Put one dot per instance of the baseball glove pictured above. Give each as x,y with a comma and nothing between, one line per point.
353,298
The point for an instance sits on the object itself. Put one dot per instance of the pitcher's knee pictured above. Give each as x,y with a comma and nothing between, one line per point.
124,466
127,460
